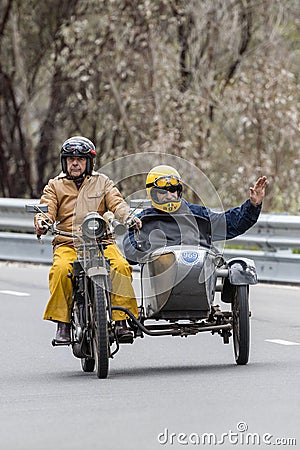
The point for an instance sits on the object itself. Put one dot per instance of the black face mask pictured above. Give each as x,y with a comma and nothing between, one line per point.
166,189
169,189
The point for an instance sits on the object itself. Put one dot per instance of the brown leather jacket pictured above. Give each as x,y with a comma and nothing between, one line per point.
68,206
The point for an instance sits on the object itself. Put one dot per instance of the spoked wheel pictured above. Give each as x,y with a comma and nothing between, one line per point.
100,327
241,324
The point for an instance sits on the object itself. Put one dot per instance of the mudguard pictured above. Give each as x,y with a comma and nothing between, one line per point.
93,271
241,271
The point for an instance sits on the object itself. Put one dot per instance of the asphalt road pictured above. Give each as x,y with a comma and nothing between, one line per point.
162,392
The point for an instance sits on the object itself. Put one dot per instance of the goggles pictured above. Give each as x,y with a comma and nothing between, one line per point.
77,148
166,182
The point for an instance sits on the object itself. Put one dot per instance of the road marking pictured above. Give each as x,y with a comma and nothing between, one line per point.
16,293
282,342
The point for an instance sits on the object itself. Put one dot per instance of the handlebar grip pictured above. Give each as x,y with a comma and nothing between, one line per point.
46,226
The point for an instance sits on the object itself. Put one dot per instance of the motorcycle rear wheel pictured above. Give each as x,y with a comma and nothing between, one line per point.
100,327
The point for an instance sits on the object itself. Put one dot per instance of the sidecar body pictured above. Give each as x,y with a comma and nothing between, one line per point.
179,283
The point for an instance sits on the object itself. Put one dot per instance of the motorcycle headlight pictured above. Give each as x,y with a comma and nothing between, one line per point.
93,226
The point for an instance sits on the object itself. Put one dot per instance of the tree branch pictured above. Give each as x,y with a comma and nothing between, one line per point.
122,110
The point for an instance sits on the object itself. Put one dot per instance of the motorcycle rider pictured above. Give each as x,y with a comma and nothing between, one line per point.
164,187
77,190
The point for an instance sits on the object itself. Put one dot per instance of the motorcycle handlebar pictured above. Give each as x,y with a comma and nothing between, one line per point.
114,226
117,227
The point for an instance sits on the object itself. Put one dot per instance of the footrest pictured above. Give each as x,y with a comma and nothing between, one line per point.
126,339
59,344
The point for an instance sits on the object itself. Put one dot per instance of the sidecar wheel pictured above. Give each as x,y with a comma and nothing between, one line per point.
100,327
241,324
88,364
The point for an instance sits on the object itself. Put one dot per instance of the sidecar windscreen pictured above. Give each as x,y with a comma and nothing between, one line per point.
176,229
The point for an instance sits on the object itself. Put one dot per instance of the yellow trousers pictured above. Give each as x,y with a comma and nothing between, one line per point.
59,305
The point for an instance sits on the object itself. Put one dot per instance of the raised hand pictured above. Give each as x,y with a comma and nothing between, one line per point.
257,192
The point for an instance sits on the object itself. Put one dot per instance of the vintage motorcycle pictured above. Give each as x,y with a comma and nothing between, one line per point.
178,285
92,329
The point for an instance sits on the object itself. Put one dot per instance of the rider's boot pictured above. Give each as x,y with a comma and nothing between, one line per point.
63,333
124,335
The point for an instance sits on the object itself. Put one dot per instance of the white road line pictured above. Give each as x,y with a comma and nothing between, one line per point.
16,293
282,342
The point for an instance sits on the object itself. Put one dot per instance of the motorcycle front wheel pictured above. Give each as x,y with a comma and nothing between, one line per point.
100,327
241,324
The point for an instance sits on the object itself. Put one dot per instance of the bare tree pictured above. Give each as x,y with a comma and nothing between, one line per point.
197,79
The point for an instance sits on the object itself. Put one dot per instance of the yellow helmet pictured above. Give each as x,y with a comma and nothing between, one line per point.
161,179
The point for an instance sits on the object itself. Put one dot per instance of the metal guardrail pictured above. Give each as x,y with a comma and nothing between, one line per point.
13,216
274,237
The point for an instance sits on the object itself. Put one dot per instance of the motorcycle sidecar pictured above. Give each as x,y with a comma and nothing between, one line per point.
179,283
